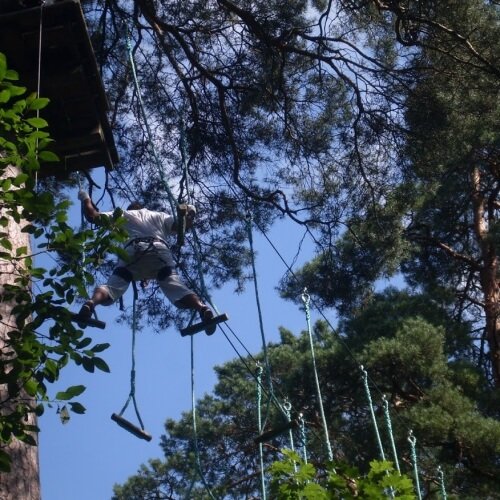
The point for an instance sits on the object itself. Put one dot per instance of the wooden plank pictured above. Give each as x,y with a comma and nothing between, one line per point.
199,327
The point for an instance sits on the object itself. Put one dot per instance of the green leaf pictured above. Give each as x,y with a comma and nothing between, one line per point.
16,90
31,387
101,365
37,122
3,66
20,179
77,408
12,75
6,243
88,364
39,103
48,156
4,95
100,347
71,392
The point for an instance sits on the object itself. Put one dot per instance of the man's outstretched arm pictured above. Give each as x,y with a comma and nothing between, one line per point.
89,210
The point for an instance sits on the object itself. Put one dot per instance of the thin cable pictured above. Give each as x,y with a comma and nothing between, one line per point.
39,76
259,425
195,431
306,299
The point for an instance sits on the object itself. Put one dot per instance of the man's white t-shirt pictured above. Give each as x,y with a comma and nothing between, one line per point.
145,223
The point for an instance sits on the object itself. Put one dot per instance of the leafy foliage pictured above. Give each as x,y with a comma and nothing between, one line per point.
40,339
292,478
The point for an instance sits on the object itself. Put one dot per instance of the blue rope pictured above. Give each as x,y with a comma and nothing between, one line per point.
306,300
413,441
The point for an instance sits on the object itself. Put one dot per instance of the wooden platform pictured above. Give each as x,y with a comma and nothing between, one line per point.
69,78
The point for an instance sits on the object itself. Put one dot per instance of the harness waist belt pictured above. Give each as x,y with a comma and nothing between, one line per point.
150,239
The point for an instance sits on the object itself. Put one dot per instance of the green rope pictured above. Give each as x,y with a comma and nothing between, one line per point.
306,300
391,435
171,199
303,437
259,422
287,407
413,441
195,430
441,483
259,312
131,396
372,412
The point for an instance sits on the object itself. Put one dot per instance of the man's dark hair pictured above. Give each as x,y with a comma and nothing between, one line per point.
135,205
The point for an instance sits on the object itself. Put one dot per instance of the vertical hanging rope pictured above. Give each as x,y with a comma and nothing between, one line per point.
171,199
259,309
372,412
306,300
413,441
441,483
39,75
131,396
195,428
302,427
388,423
259,423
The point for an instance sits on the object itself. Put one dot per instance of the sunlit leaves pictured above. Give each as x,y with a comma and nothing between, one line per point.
43,340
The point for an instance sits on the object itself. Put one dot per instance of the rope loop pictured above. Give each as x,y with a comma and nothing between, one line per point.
413,441
441,482
306,297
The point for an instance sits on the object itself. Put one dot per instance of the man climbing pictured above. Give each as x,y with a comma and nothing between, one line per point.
149,257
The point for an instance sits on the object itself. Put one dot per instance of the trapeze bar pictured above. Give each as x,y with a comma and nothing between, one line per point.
272,433
133,429
83,322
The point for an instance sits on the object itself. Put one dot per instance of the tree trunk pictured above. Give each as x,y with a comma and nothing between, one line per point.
23,482
488,273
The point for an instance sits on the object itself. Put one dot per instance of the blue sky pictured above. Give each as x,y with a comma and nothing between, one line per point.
84,458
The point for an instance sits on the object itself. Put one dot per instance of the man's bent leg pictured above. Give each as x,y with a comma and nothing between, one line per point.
107,294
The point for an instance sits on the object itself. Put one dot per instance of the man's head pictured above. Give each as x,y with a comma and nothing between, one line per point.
135,205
